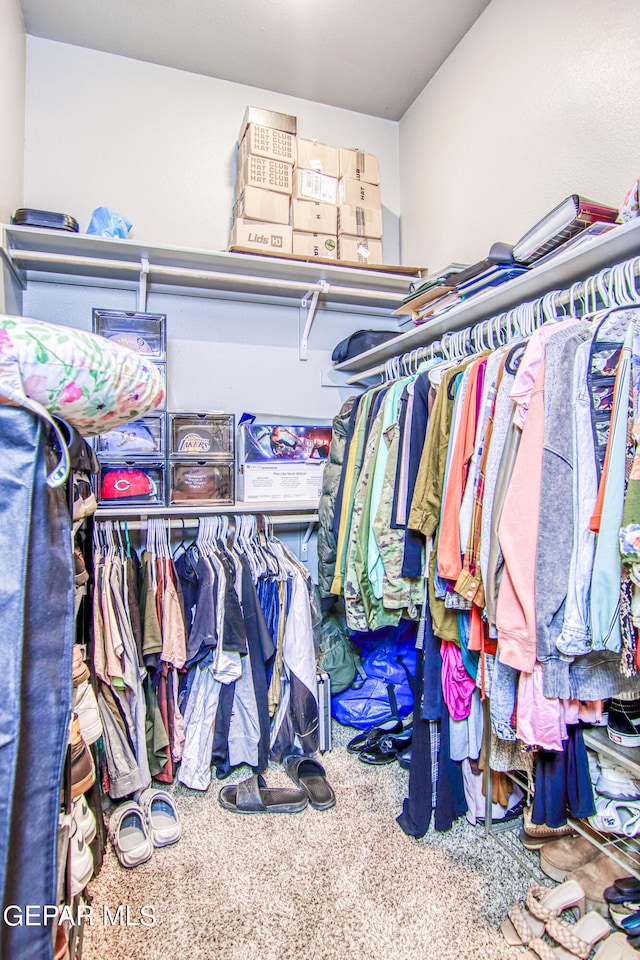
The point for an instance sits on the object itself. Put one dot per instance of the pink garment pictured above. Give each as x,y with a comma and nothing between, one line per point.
540,720
174,634
529,368
589,711
518,534
457,685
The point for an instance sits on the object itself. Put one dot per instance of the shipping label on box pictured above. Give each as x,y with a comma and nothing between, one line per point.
312,155
317,245
313,217
359,165
280,481
359,194
359,249
253,235
359,221
309,185
268,118
257,204
268,174
261,141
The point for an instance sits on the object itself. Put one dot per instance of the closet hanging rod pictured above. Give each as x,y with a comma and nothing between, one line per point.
580,290
159,271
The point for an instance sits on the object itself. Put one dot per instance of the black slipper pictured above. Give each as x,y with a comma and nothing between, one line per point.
311,776
254,796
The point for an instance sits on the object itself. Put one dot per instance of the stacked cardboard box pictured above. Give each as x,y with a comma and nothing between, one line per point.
266,155
360,208
314,202
302,197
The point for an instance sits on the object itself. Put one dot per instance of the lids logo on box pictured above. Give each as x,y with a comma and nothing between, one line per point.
274,240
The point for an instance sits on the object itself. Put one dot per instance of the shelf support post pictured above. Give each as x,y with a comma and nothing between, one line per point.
310,303
142,284
304,546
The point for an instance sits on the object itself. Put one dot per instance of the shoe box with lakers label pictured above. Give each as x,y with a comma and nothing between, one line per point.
201,457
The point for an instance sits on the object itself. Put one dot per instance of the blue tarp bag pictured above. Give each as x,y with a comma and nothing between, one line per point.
389,657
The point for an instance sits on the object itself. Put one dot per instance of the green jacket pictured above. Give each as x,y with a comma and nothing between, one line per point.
330,482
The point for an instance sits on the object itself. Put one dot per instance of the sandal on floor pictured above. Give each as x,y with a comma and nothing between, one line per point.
130,835
575,939
161,815
615,947
311,777
541,905
254,796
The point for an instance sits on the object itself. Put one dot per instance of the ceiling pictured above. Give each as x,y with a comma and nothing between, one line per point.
372,56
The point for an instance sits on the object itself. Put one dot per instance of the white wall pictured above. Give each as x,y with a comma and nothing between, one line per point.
157,144
538,100
12,86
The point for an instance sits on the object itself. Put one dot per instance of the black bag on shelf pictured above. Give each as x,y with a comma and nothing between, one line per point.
360,341
46,219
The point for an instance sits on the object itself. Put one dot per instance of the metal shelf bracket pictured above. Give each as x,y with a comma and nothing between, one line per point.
304,546
142,284
310,303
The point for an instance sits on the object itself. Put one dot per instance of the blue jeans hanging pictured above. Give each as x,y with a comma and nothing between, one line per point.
36,640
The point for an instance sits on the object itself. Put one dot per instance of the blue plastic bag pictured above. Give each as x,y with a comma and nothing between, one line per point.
369,705
108,223
365,705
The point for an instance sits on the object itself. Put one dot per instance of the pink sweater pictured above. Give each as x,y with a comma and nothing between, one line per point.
518,533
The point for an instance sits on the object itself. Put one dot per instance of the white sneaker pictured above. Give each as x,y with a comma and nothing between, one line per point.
83,815
615,783
616,816
81,860
594,766
86,706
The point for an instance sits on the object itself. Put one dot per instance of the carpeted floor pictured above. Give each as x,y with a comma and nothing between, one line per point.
343,883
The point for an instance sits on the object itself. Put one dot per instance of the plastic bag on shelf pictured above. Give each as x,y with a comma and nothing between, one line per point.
107,223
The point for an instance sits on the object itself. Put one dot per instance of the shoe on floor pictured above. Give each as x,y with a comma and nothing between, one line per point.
561,857
83,772
623,726
86,707
161,815
81,860
129,834
594,878
83,815
615,783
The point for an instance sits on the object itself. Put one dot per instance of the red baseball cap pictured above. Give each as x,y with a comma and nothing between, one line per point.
128,484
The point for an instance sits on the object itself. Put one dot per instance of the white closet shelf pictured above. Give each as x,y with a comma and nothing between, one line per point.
295,511
36,254
558,274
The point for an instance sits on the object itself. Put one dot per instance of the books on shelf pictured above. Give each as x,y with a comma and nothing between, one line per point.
491,277
432,287
562,223
589,233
